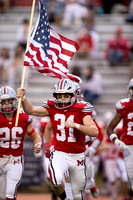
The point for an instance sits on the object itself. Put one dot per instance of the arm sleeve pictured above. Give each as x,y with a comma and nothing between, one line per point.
88,109
119,107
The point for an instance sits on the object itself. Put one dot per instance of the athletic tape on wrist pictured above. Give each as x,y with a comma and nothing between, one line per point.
38,144
77,125
112,136
23,98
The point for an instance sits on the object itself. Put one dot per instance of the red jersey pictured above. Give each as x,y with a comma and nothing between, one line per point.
125,108
43,123
122,45
11,137
99,137
112,153
97,140
100,133
85,43
69,140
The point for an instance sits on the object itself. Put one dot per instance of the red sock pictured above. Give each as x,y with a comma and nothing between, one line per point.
93,189
10,199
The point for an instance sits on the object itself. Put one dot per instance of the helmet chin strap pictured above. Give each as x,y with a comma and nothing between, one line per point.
7,108
64,104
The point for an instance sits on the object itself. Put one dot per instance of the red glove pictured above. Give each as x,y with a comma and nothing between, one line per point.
47,149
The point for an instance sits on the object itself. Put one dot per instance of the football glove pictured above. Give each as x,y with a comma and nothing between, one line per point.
120,145
47,149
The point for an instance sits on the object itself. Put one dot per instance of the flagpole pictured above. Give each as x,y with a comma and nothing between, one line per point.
24,69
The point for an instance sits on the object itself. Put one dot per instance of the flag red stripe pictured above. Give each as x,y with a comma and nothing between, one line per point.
39,58
33,47
73,43
63,51
59,60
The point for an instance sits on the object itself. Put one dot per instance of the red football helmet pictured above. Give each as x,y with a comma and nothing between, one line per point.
7,93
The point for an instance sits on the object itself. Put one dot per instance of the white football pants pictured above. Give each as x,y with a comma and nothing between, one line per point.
11,169
129,165
75,164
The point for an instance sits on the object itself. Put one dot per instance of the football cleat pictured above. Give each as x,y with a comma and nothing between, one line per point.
95,192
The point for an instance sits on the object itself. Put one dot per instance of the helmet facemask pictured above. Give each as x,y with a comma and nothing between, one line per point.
8,100
61,104
10,107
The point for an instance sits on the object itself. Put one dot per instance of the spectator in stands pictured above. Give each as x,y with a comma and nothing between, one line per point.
22,33
16,68
107,6
96,6
130,12
76,71
85,43
5,5
55,11
5,62
118,48
92,84
89,23
89,20
74,12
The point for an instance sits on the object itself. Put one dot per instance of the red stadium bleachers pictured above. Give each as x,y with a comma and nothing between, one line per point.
22,2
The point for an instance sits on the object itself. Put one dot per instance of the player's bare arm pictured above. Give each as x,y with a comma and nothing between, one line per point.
48,133
114,122
35,137
121,145
48,138
28,107
88,127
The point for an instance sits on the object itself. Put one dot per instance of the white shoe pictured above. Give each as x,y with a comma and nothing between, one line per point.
96,193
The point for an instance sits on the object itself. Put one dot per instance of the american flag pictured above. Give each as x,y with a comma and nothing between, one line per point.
49,52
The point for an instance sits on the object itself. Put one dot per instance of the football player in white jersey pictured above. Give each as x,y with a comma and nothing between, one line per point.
11,142
71,121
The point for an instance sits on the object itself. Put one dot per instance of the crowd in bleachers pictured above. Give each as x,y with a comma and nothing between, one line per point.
64,13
